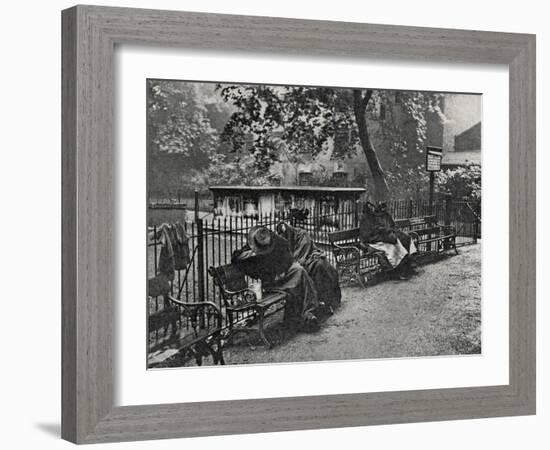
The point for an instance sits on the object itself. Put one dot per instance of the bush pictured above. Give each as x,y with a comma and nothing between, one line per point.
462,182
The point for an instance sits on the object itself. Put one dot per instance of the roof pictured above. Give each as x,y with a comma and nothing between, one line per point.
328,189
469,139
461,158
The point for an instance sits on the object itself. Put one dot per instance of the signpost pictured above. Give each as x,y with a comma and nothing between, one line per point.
433,164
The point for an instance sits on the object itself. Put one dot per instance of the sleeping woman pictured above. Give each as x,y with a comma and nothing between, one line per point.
377,230
314,260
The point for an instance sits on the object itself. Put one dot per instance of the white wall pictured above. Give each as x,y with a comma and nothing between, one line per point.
30,189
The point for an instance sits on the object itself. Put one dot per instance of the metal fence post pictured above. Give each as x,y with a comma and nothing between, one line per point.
477,224
431,194
200,267
447,216
200,255
200,261
448,199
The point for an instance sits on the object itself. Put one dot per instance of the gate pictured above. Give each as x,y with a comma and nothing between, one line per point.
465,216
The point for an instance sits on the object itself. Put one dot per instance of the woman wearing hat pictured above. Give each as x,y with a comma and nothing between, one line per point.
267,257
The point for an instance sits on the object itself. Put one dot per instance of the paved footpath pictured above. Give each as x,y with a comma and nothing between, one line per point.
436,312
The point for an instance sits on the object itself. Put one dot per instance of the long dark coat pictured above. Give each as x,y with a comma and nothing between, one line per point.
278,269
313,259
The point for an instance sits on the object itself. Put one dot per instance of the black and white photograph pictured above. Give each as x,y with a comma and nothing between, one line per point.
290,223
275,225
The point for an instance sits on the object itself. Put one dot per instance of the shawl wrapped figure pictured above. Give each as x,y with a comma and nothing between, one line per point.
377,230
313,259
267,257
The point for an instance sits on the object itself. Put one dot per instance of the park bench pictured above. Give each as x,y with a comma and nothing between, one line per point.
242,307
356,262
428,235
201,336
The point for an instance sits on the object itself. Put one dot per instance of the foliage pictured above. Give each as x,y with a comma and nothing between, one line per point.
298,120
189,128
408,182
404,141
223,170
178,120
462,182
303,119
184,123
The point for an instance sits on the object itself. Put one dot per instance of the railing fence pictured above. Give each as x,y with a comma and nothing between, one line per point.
213,240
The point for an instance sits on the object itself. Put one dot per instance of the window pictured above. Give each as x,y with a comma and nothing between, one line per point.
305,179
234,203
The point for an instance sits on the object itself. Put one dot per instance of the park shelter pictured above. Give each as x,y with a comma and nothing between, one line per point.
258,201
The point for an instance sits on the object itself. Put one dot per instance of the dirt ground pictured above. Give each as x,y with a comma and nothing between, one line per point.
436,312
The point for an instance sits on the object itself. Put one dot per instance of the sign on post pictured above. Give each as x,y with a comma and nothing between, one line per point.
433,164
433,158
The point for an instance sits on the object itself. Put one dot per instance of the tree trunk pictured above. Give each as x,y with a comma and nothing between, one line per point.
381,190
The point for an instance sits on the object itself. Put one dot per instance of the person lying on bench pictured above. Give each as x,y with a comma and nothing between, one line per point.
377,230
314,260
267,257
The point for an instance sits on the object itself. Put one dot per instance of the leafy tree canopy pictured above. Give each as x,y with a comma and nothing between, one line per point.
310,120
178,120
229,171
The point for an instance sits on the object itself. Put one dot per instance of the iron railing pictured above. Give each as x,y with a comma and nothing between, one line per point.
213,240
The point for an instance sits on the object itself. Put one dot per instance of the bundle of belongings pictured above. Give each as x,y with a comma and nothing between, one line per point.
377,230
268,257
174,255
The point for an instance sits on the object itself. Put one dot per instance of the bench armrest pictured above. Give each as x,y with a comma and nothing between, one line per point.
246,293
274,290
241,297
194,309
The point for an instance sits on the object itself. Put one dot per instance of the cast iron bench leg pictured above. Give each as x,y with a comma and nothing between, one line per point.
261,328
231,331
360,279
219,352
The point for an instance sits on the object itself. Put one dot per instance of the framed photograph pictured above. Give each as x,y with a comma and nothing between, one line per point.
277,224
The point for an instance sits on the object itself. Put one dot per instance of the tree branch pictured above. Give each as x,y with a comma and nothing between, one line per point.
366,98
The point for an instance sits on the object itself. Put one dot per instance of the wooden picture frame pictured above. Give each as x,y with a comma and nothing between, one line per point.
89,37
